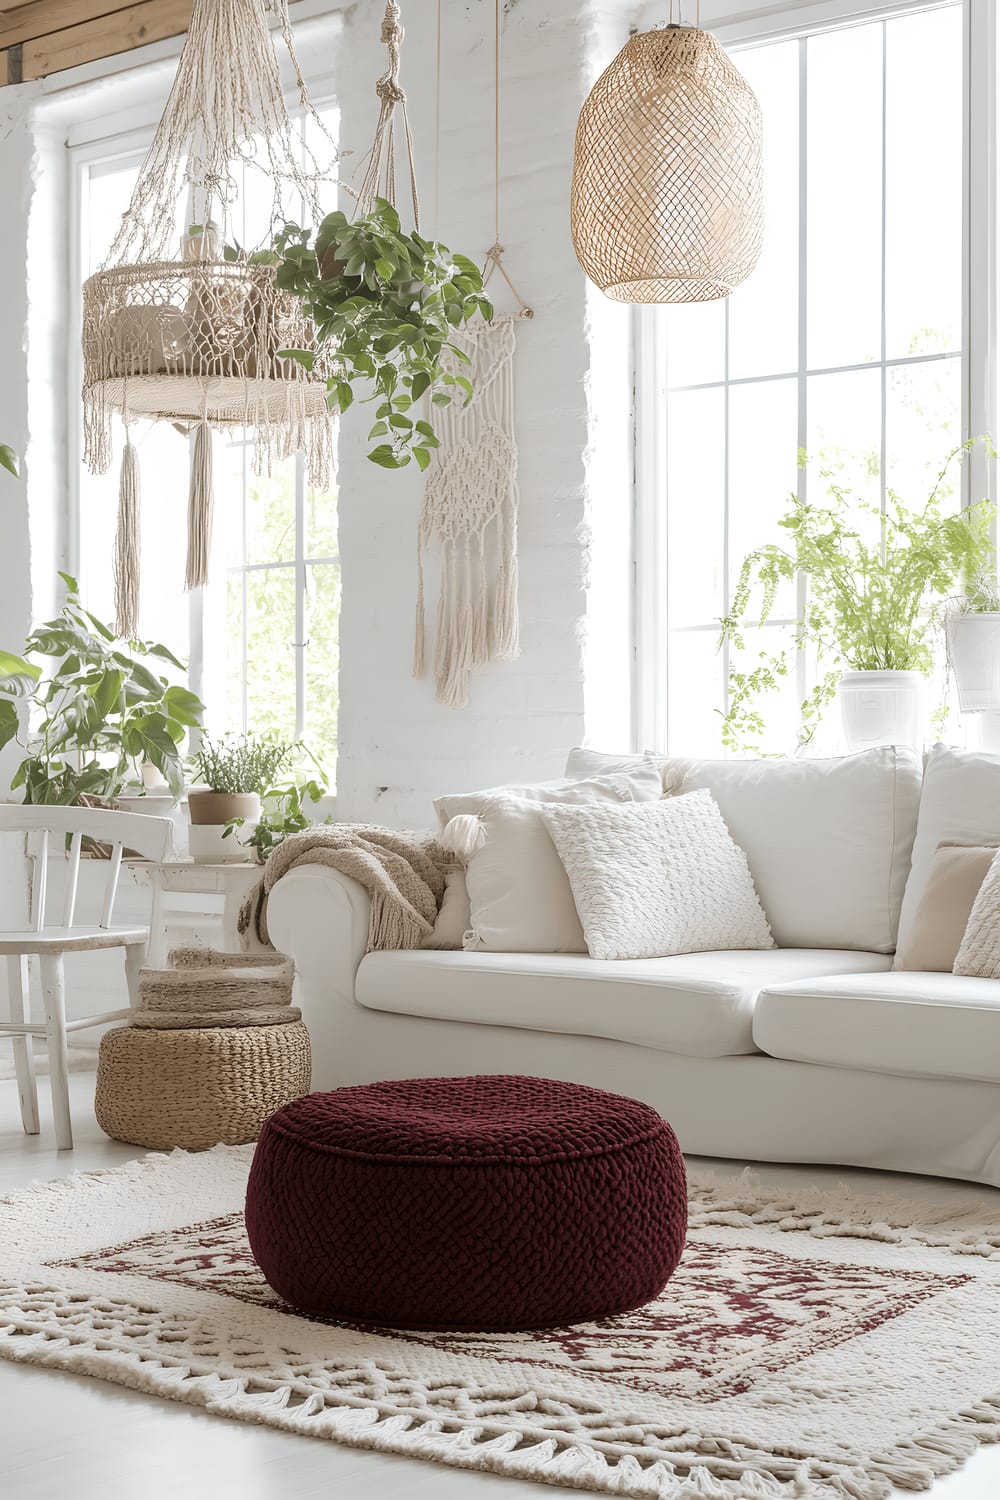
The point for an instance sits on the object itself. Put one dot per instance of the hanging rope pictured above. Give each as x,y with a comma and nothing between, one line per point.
494,255
127,545
380,171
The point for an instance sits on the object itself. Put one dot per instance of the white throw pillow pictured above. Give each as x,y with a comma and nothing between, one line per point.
519,895
828,841
654,879
979,955
959,804
582,762
641,782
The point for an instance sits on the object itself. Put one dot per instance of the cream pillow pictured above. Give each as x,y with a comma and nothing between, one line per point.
519,895
653,879
453,918
941,916
641,782
979,955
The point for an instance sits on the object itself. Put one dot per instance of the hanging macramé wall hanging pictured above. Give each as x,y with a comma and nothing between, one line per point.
667,195
178,325
470,505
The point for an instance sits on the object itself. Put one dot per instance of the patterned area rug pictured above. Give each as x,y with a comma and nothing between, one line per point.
820,1346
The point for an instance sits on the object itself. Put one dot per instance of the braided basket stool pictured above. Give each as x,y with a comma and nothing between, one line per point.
199,1087
492,1203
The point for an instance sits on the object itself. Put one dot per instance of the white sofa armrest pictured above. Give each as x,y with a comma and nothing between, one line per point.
320,919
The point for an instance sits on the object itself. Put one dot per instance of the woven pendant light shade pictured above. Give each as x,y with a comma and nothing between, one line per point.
667,183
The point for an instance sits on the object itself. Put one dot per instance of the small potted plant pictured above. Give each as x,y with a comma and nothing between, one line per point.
92,712
286,810
233,772
972,626
875,582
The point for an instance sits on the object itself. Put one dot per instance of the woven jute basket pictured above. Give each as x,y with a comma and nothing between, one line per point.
667,202
198,1088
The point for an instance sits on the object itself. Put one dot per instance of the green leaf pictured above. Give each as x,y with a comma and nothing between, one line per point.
108,691
17,675
8,721
427,433
8,460
423,456
180,704
379,430
420,383
304,357
385,268
385,457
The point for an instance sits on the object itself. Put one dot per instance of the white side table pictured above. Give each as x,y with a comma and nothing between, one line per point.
222,887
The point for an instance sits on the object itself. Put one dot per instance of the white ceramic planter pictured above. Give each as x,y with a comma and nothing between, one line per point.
882,708
152,806
208,846
974,653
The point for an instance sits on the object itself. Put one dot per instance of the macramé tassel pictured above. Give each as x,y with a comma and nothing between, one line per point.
127,547
200,501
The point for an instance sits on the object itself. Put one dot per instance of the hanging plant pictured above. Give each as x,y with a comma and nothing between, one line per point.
389,301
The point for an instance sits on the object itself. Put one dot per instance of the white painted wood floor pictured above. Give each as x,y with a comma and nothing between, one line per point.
68,1437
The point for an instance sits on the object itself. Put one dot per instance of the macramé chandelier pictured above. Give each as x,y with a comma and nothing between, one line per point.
182,324
667,183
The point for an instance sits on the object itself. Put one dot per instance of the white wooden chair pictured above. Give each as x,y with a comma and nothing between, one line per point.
151,838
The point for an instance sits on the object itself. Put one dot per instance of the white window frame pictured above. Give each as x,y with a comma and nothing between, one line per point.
651,664
118,146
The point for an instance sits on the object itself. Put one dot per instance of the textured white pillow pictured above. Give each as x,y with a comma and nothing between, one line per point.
653,879
979,955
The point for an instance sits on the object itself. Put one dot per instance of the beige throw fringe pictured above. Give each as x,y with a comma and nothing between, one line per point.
403,874
470,511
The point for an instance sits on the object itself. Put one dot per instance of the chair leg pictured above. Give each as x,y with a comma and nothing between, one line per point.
54,992
24,1059
135,957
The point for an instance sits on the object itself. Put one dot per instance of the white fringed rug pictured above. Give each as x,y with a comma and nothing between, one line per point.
809,1346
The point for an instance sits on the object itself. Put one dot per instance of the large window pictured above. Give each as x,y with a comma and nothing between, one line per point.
262,639
847,342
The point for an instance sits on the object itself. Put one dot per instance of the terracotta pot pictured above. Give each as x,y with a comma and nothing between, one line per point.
218,807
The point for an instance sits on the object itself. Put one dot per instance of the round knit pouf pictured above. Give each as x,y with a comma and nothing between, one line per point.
492,1203
201,1087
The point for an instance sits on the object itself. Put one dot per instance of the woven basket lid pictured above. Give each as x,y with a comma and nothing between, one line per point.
667,178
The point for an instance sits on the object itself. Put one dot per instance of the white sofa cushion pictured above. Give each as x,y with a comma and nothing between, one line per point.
828,841
657,878
698,1004
960,803
919,1025
640,782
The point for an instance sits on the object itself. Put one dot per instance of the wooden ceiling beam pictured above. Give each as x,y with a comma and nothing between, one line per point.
105,36
23,23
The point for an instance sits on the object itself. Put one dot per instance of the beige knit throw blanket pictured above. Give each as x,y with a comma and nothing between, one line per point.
403,874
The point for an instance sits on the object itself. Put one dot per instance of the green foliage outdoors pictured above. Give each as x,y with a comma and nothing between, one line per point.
95,712
873,580
240,762
388,302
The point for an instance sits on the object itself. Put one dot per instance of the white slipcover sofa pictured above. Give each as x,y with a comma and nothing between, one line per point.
817,1051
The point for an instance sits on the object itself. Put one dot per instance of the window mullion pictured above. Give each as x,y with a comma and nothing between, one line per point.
301,643
802,413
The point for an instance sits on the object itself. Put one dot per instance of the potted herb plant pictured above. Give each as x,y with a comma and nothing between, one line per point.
873,581
386,302
233,771
285,812
91,711
972,625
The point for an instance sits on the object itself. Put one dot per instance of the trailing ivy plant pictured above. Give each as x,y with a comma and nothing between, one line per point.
388,302
874,583
285,812
94,712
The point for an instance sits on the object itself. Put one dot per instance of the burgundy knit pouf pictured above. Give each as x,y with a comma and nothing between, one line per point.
467,1203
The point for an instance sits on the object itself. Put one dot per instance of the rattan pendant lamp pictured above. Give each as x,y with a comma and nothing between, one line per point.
183,325
667,184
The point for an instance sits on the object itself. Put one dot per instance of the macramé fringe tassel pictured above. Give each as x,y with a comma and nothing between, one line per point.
470,511
127,547
200,504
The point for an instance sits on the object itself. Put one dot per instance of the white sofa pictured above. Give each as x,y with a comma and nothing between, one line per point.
817,1051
